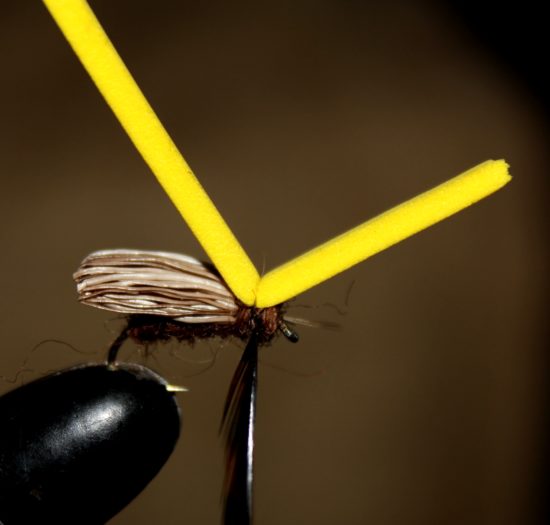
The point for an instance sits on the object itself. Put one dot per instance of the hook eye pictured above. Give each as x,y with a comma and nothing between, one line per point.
291,335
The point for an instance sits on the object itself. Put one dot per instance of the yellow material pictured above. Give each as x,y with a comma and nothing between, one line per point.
99,57
380,233
112,78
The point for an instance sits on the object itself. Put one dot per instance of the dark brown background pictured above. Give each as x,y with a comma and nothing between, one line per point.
301,119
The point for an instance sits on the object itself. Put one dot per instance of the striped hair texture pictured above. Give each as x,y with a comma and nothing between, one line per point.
155,283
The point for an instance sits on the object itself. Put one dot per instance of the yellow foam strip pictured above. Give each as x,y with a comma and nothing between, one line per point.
109,73
99,57
379,233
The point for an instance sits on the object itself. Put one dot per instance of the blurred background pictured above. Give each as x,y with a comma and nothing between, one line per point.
303,119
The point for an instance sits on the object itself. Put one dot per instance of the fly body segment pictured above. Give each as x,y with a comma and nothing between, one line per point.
167,295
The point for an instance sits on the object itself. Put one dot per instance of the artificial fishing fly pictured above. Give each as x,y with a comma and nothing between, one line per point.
168,295
172,296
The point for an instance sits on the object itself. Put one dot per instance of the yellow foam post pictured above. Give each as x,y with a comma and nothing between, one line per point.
94,49
109,73
380,233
